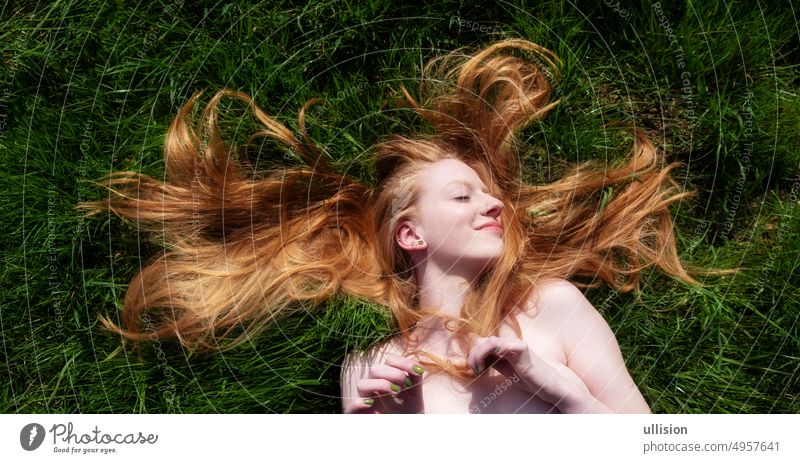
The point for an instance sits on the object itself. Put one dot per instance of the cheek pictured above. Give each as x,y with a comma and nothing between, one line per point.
455,223
461,216
461,236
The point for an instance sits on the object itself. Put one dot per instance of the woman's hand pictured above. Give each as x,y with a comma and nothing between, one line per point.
550,382
391,387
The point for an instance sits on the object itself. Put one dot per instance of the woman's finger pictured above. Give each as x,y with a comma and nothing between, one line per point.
361,406
372,388
411,393
408,364
389,387
491,350
483,348
394,375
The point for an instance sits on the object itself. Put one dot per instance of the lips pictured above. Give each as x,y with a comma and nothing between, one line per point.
491,226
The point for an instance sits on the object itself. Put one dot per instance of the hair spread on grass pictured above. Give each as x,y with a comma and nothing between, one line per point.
243,251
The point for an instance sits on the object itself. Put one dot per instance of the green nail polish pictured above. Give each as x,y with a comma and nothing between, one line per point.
418,369
409,383
369,401
395,387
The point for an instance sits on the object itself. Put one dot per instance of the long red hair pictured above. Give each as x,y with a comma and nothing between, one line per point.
243,250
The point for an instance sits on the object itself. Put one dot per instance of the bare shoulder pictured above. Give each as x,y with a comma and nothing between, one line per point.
591,348
542,319
582,330
554,299
559,307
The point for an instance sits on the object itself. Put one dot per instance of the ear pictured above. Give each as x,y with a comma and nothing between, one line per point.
409,235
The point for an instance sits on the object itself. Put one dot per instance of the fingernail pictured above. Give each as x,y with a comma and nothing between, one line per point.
409,383
369,401
395,387
418,369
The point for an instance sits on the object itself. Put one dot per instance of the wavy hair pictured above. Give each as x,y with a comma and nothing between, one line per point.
243,251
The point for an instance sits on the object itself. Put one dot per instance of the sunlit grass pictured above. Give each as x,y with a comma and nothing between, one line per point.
88,89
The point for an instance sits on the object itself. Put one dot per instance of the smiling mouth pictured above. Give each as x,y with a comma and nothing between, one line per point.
492,227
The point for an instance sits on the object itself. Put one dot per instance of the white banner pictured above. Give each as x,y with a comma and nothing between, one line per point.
399,438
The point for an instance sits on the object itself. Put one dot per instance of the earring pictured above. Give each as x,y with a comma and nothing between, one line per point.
420,242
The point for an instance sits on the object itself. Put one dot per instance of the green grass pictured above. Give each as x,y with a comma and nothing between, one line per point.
88,88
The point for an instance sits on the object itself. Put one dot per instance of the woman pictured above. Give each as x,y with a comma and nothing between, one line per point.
568,359
471,261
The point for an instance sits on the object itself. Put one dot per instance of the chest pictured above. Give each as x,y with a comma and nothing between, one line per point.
490,393
493,392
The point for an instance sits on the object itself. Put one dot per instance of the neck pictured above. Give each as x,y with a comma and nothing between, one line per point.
441,290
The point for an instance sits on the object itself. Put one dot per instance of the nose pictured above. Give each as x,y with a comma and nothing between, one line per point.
494,207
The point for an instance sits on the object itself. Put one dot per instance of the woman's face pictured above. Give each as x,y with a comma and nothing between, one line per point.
458,220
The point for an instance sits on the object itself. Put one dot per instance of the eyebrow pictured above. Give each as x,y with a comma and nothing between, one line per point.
463,182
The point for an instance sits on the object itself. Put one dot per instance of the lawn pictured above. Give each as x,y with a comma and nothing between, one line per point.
90,87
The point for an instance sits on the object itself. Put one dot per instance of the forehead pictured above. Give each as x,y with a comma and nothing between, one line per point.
441,173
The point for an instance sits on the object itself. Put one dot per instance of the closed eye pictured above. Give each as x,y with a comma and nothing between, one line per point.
459,198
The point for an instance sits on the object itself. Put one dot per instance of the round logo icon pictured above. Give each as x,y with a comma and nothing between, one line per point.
31,436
